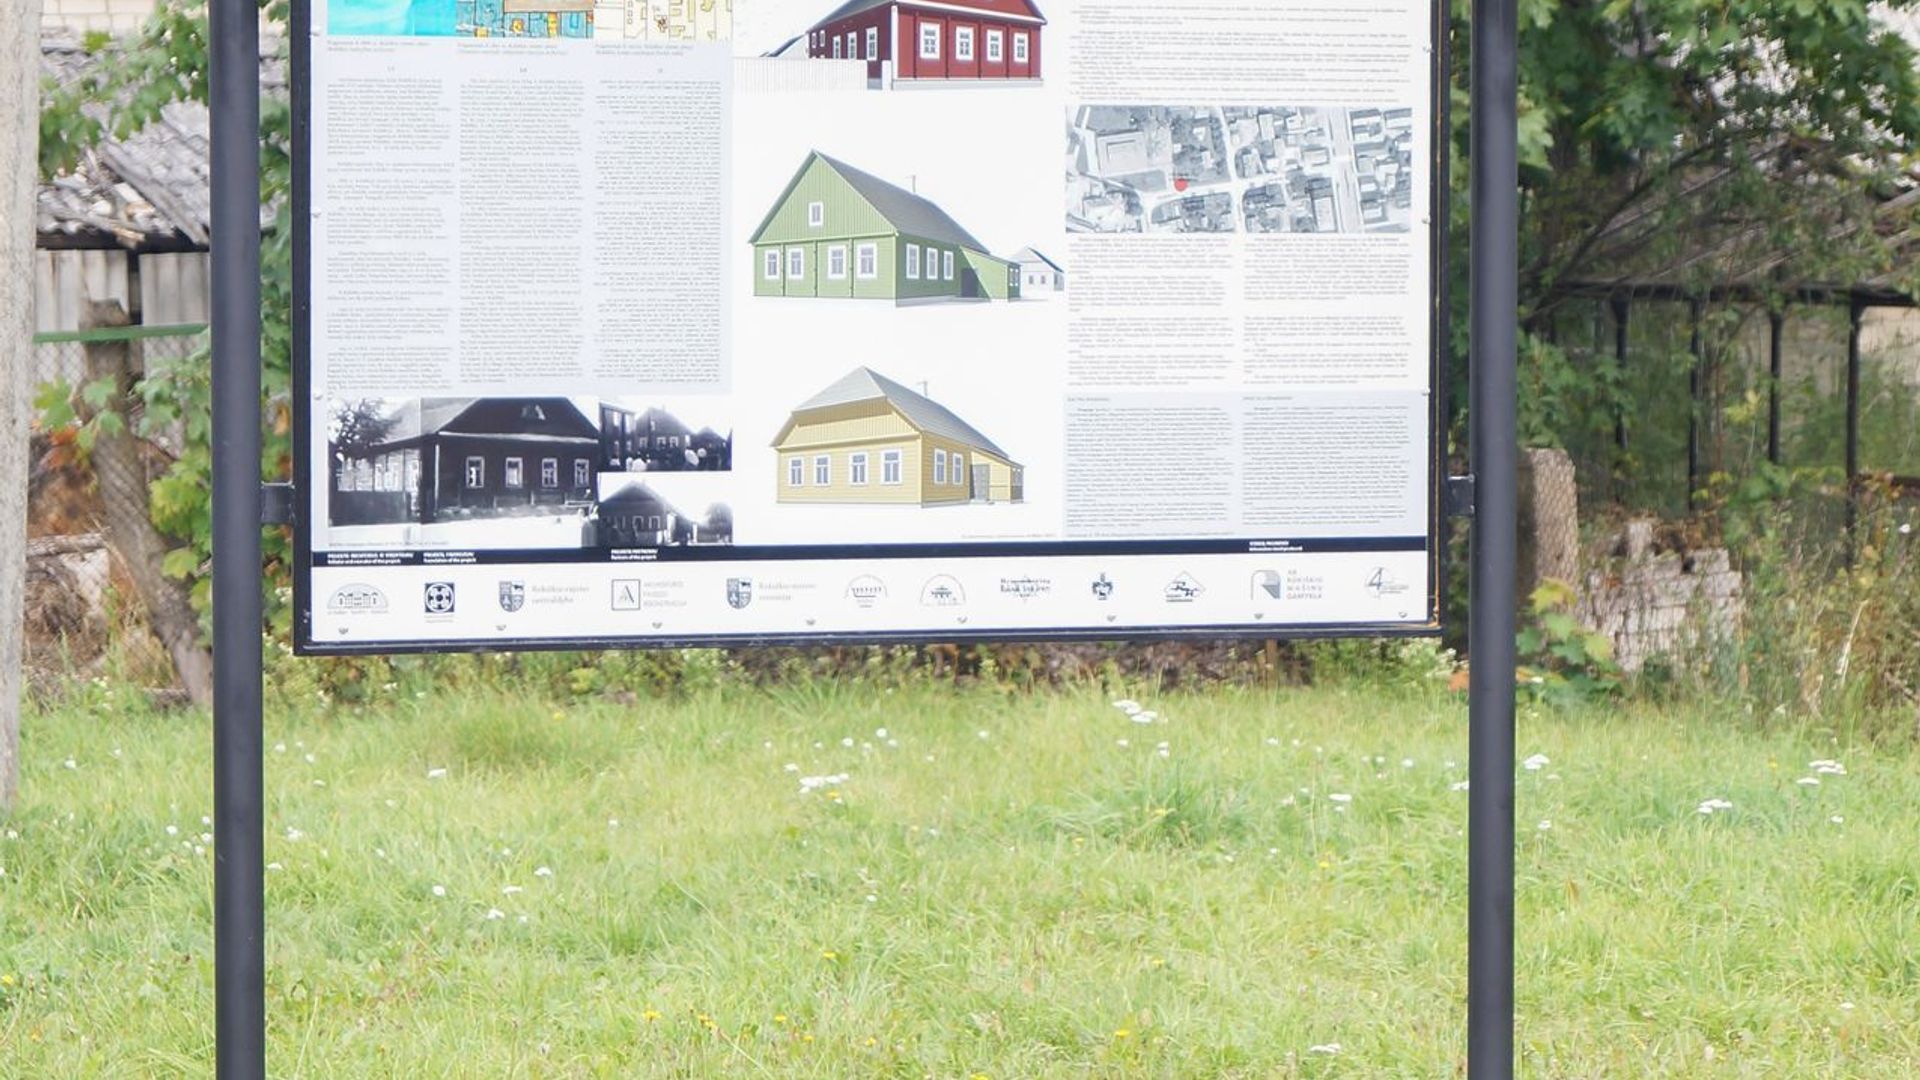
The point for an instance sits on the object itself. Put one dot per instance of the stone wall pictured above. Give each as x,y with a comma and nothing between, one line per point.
1655,598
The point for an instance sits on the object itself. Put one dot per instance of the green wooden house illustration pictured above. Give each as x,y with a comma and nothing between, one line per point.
837,231
869,440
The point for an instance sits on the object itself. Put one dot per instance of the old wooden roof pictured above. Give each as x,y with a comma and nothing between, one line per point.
147,191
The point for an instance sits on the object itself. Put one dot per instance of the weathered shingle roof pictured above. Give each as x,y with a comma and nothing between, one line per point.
903,209
864,384
149,188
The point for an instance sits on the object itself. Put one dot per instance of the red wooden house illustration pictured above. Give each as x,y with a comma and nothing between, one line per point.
924,41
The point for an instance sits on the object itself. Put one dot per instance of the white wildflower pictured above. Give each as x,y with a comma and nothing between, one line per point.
1837,819
1808,781
1458,785
790,767
544,871
436,774
880,733
275,866
1324,1048
1145,716
295,834
1272,741
494,914
1826,767
439,890
510,890
173,830
1121,743
1711,806
814,783
1406,763
1535,763
1340,797
1545,825
1127,705
983,734
72,764
847,742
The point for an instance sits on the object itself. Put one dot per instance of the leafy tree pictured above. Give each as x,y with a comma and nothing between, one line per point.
1693,141
123,91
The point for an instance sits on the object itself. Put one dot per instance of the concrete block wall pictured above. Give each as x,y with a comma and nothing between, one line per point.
1660,601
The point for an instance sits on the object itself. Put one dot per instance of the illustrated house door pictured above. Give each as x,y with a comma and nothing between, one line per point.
969,283
982,483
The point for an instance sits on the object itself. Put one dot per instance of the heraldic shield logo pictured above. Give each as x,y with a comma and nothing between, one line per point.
513,595
739,592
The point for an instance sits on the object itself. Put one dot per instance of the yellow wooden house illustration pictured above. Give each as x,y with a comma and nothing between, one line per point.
869,440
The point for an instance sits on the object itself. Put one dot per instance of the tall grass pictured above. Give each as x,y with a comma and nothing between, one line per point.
470,882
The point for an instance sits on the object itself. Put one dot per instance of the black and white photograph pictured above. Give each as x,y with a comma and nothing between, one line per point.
524,472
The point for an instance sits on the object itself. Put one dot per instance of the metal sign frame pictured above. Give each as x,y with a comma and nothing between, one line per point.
305,642
240,503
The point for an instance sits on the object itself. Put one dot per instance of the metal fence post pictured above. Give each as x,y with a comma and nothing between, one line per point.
1776,325
1494,320
239,964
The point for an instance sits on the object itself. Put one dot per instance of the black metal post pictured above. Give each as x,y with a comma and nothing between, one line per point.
1494,320
1855,312
1621,309
239,957
1776,323
1695,384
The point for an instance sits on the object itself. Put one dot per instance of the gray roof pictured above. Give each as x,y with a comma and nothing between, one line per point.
147,189
864,384
902,208
1028,254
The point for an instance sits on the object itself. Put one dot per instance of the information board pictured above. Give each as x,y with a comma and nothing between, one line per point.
683,321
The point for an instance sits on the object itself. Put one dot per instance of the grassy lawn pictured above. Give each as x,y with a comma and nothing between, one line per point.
1257,884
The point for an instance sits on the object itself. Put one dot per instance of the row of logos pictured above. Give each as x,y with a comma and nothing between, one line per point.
442,599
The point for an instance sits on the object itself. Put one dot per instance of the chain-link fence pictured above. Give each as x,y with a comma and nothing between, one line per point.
93,557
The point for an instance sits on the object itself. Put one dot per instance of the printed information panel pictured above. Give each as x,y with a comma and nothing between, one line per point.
671,321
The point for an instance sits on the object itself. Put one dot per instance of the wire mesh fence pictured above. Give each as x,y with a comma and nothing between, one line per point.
90,536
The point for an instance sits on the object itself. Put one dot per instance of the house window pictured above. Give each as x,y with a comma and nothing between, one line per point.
866,261
1019,48
550,472
795,472
515,474
929,41
823,470
853,50
939,466
582,472
946,258
772,265
963,43
837,261
959,469
857,468
816,214
476,472
994,45
836,47
873,43
796,263
913,262
890,466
